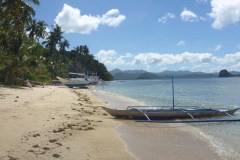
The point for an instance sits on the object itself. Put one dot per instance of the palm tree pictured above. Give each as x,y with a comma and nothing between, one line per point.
37,29
15,16
63,45
54,38
57,32
18,12
41,32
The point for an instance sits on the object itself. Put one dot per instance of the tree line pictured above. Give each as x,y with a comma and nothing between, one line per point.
28,51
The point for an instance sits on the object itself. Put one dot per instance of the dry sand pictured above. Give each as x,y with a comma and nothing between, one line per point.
62,123
56,123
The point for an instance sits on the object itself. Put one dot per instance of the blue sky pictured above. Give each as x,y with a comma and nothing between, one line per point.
154,35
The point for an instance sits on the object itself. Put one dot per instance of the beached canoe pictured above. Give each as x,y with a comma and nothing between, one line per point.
158,114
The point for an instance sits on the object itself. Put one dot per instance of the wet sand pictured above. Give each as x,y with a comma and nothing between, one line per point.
155,141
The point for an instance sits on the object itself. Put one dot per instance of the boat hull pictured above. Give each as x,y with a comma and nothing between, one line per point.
81,83
167,113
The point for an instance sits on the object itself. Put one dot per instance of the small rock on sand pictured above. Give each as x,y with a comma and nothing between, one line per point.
46,148
35,146
56,155
52,140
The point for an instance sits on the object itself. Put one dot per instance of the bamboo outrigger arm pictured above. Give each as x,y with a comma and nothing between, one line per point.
190,121
143,113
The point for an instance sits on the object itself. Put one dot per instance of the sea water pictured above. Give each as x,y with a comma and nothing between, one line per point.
216,93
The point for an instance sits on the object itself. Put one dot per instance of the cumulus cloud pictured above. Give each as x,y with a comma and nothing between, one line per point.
188,16
181,43
104,55
156,62
114,60
72,21
112,18
167,59
228,58
166,17
224,13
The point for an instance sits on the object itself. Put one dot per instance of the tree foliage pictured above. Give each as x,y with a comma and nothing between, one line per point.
23,57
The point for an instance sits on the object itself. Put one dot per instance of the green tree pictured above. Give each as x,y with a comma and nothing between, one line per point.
15,48
63,45
82,61
37,29
16,14
53,39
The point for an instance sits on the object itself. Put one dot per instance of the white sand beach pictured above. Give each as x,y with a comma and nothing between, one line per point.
55,122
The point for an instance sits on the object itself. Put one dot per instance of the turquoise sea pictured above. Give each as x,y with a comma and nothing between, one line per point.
208,92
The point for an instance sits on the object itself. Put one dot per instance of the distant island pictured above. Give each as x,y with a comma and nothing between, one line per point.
142,74
225,73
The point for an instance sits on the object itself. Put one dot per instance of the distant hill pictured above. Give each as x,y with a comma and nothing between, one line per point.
235,73
127,74
185,74
141,74
148,75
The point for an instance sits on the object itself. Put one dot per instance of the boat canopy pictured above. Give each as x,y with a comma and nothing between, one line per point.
80,74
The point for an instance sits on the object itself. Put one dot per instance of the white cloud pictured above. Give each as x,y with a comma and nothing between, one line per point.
156,62
217,48
166,17
228,58
167,59
235,67
47,29
114,60
104,55
71,20
181,43
112,18
224,13
188,16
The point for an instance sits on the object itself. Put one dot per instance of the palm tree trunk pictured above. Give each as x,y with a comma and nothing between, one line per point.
10,78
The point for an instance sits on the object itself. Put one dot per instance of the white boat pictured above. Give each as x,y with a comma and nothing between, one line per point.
93,79
75,80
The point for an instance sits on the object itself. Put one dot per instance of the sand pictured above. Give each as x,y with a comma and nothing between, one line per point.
56,123
61,123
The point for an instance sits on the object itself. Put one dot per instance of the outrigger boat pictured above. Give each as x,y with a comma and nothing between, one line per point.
93,79
173,114
77,80
166,115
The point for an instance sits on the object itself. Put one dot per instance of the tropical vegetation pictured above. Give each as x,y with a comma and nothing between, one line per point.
28,51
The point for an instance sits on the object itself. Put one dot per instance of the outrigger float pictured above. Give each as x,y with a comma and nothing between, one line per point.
172,114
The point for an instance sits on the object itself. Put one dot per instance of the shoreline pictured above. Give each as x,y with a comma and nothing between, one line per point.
57,122
141,134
